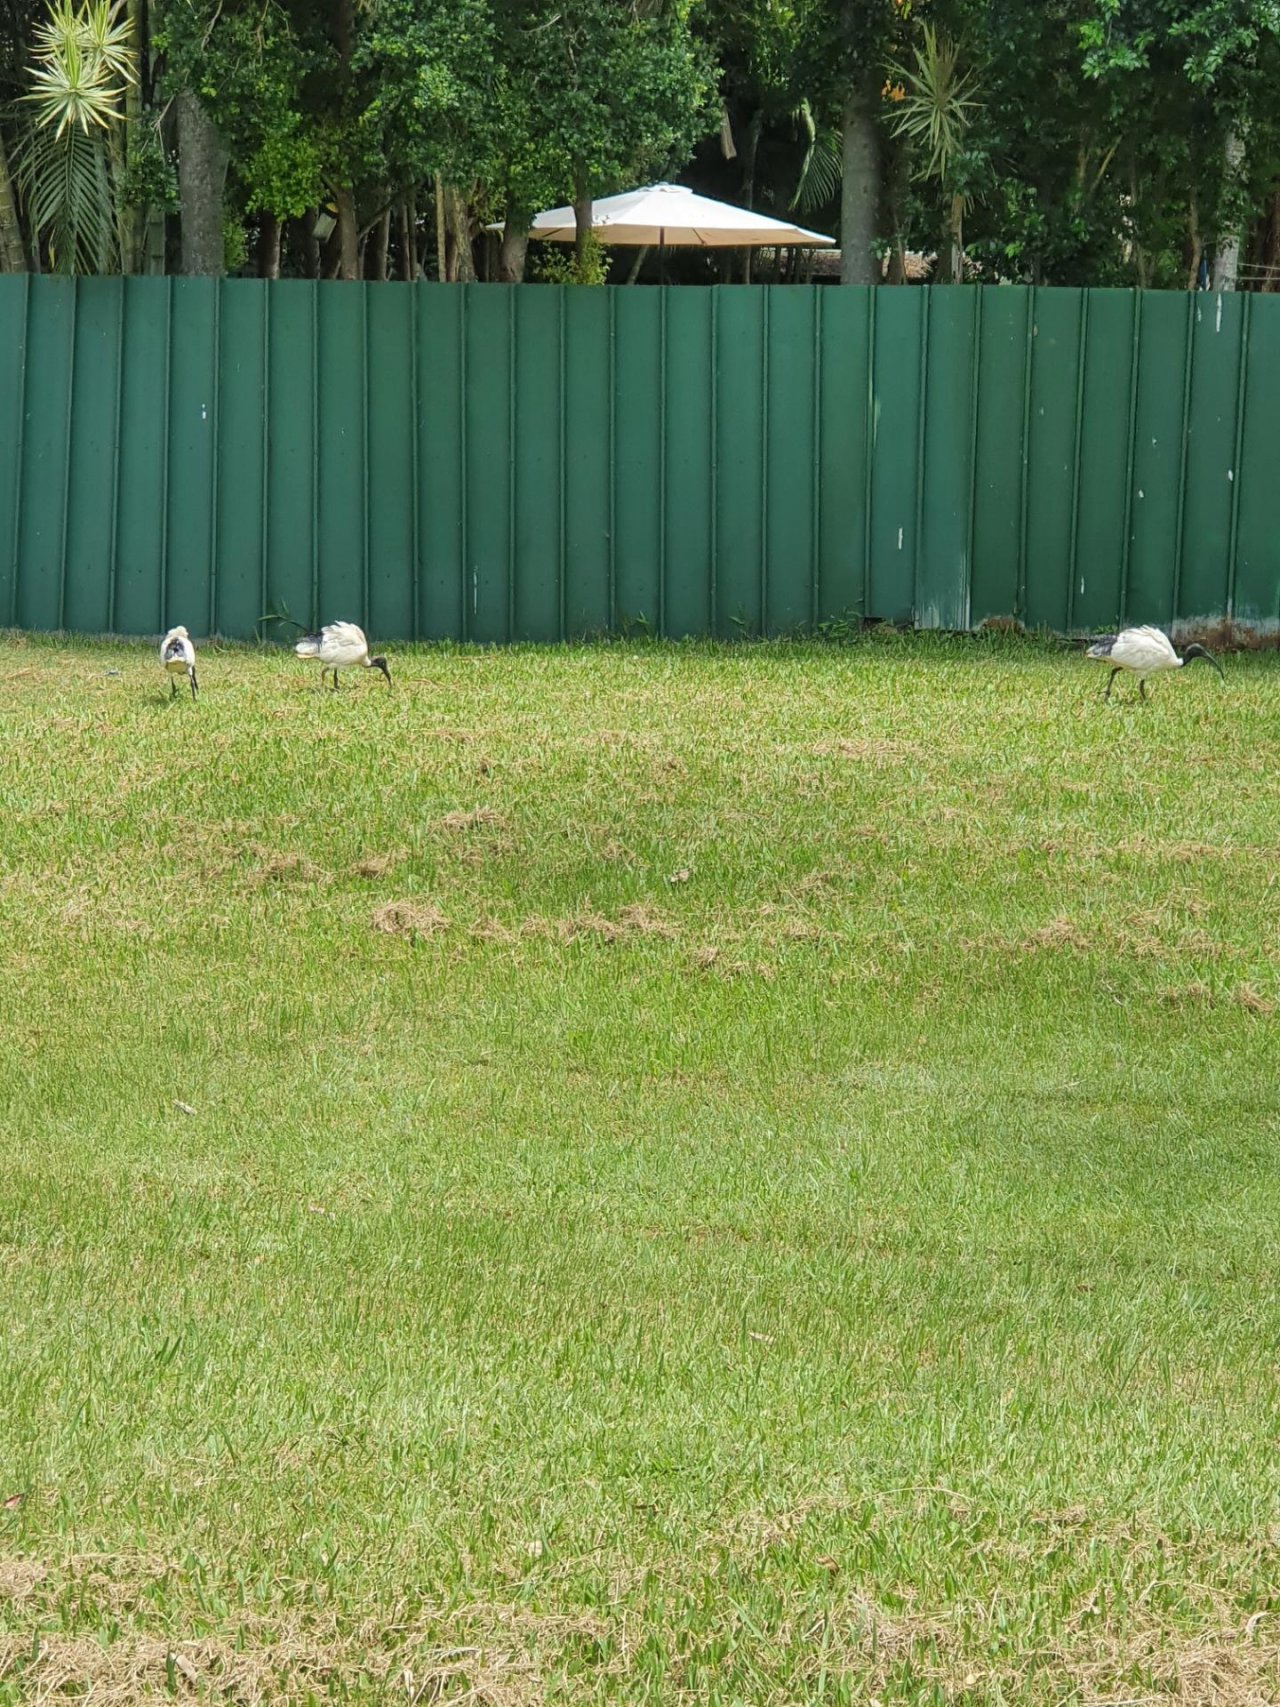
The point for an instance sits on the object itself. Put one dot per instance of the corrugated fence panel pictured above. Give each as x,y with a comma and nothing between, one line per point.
1098,570
289,577
900,354
13,365
193,425
739,435
91,493
241,492
1051,452
942,569
492,463
1156,499
142,478
1203,581
487,428
538,520
46,467
639,468
688,508
442,460
588,554
844,416
342,463
1257,547
1000,471
392,487
791,460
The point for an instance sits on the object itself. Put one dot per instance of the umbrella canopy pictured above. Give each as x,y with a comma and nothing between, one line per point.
671,216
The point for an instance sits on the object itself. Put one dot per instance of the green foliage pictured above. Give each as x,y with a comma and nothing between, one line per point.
561,266
67,187
150,177
938,106
70,170
83,59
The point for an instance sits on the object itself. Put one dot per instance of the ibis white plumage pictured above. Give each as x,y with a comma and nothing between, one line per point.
339,646
1145,652
178,656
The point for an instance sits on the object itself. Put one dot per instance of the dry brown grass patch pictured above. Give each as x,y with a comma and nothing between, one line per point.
1249,998
480,817
410,919
378,865
875,751
645,920
20,1577
287,868
1058,933
637,920
488,929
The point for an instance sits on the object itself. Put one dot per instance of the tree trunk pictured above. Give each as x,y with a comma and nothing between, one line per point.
202,177
13,253
895,197
581,217
1226,264
463,269
409,241
269,247
344,196
348,235
311,243
749,184
950,268
442,243
155,243
515,245
1192,247
379,245
860,188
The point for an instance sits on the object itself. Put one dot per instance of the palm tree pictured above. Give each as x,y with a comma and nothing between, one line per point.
71,167
934,113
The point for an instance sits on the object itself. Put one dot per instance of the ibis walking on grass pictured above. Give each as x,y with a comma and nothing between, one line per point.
1144,651
338,645
178,656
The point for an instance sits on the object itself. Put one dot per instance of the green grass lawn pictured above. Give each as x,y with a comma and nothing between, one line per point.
639,1174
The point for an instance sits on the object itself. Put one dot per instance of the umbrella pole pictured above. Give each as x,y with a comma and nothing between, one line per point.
662,255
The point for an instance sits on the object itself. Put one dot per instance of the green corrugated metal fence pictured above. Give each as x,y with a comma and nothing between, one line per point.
494,463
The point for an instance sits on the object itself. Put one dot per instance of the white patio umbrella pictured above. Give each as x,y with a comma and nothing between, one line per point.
671,216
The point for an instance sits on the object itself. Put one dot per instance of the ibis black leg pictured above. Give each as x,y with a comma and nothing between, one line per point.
193,684
1142,688
335,678
1110,679
173,687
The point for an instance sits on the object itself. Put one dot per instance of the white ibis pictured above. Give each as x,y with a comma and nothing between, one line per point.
1145,651
338,645
178,656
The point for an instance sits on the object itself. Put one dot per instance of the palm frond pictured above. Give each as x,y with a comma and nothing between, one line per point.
65,181
822,167
937,105
83,61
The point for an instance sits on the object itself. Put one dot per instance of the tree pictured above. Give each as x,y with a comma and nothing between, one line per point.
935,112
72,167
632,89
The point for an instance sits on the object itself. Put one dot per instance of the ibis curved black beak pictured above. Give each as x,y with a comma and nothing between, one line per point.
381,664
1199,652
